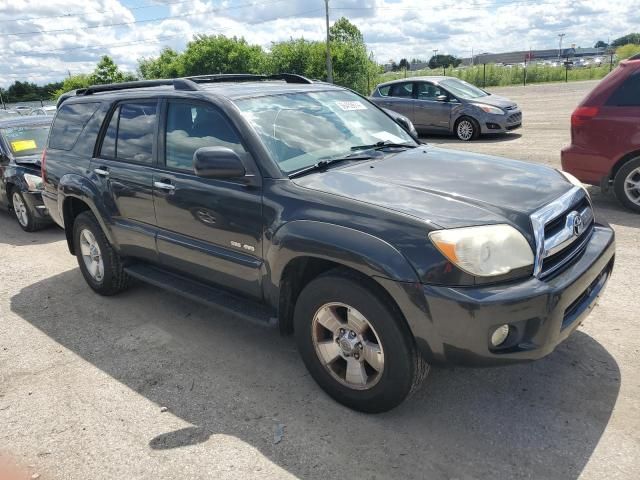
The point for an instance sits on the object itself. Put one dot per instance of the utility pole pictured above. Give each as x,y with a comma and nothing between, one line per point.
329,66
561,36
435,57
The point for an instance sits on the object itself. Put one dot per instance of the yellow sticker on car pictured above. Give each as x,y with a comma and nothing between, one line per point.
20,145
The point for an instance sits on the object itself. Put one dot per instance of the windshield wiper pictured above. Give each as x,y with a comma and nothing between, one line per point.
323,164
383,144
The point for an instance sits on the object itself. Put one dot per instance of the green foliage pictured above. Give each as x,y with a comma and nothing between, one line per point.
106,71
627,51
439,61
344,31
73,83
28,92
219,54
298,56
167,65
625,40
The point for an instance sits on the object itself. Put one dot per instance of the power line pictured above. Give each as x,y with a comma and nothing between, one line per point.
214,10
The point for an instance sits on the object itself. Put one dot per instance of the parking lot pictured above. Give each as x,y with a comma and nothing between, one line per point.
147,384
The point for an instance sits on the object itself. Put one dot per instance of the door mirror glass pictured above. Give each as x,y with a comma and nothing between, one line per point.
217,162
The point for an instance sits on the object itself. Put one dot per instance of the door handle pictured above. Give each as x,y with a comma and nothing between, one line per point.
103,172
164,186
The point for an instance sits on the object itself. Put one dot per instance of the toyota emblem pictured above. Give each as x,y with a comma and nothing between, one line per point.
578,225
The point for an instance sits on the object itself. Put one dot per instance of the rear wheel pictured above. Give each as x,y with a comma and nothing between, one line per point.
355,345
626,184
467,128
99,263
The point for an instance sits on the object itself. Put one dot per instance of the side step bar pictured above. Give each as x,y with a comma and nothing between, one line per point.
244,308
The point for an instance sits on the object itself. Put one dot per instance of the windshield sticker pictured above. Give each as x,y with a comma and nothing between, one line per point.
387,137
20,145
348,106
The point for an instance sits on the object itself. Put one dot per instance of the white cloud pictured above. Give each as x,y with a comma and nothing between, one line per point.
79,31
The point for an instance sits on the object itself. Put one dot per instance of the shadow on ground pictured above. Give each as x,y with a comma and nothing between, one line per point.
437,139
225,376
12,234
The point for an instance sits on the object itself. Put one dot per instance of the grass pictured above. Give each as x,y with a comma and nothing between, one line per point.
501,76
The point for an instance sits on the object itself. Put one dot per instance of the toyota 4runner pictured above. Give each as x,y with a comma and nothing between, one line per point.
306,205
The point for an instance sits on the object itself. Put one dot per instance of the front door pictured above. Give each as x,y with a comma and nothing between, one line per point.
123,170
209,228
429,112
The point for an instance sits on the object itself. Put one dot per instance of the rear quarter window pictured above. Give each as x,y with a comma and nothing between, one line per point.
69,122
627,94
384,91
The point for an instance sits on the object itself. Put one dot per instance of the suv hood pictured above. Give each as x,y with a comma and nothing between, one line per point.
446,188
495,101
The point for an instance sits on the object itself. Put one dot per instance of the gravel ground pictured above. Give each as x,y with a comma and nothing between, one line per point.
148,385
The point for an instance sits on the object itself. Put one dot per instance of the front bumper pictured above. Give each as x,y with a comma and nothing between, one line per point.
492,123
36,205
587,165
457,322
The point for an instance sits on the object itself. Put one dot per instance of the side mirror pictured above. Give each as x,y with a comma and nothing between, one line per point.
442,98
217,162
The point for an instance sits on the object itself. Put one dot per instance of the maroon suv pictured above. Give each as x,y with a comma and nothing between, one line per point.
605,135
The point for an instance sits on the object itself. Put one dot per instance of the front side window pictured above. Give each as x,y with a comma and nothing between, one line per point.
429,91
301,129
192,126
627,94
25,141
130,133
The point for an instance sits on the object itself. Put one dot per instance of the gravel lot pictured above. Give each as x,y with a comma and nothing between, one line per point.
150,385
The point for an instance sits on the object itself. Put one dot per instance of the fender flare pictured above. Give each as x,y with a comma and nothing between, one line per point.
77,186
352,248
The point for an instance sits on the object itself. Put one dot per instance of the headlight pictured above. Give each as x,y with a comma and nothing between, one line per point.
484,251
489,108
34,182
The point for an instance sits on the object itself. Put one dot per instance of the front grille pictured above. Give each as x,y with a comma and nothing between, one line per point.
515,118
562,230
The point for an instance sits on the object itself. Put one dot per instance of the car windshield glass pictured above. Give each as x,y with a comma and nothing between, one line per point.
24,141
462,89
302,129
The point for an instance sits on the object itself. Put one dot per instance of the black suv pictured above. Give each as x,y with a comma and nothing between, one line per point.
22,141
306,205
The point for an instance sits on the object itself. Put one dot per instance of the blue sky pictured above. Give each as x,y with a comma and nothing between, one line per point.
42,41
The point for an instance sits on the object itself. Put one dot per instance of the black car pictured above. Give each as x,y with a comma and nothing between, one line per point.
21,143
306,205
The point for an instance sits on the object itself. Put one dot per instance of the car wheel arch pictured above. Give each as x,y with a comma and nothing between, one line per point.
619,164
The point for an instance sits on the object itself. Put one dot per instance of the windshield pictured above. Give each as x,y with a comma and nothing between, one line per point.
301,129
460,88
25,141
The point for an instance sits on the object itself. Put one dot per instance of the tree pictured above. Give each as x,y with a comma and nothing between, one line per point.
404,64
107,71
627,39
73,83
344,31
439,61
298,56
627,51
601,44
219,54
167,65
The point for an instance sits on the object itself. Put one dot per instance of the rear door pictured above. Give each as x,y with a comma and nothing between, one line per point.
207,228
123,170
429,113
399,98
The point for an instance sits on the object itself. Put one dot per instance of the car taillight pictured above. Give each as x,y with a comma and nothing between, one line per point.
582,115
43,169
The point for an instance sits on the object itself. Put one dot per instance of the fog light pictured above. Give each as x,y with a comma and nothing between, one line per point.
499,335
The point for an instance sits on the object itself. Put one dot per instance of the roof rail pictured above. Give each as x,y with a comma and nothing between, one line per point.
635,57
248,77
178,84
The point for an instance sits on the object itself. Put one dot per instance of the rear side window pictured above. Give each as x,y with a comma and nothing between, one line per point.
69,122
384,91
130,133
403,90
627,94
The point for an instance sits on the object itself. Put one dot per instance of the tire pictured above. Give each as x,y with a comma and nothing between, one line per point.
25,216
401,368
466,129
110,277
626,194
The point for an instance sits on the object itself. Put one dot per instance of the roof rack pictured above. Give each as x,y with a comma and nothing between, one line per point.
185,83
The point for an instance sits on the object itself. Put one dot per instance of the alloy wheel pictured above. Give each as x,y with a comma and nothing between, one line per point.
20,210
91,255
465,130
632,186
347,346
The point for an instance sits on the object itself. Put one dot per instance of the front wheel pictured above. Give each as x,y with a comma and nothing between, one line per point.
355,345
27,218
626,184
467,129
